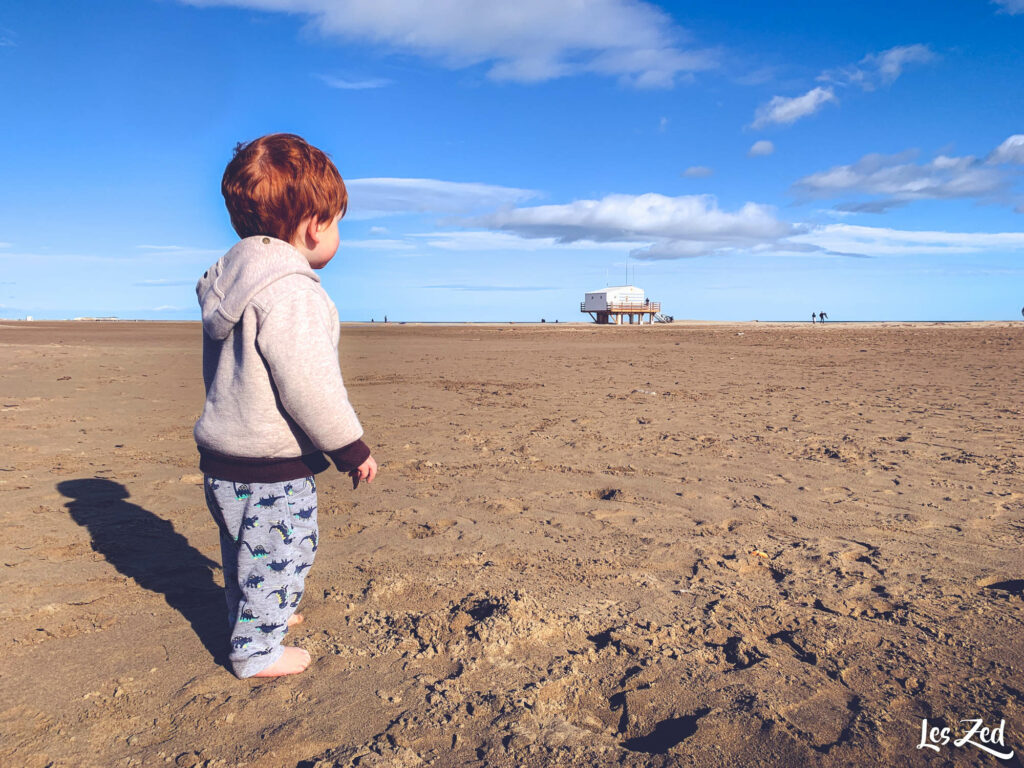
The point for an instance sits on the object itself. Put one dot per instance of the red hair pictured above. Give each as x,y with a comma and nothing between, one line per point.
276,181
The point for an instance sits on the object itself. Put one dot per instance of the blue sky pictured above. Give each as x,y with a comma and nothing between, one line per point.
745,161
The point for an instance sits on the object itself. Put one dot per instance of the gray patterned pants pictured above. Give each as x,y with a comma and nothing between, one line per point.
267,541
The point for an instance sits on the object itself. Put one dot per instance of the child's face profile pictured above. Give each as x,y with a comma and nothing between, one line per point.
327,244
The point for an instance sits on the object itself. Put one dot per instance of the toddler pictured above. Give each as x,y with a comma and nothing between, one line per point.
275,399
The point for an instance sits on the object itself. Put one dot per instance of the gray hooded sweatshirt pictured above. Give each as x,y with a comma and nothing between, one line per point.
275,399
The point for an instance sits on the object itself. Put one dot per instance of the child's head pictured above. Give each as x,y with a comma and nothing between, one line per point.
276,182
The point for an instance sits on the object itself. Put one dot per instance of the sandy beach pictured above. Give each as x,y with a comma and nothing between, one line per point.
682,545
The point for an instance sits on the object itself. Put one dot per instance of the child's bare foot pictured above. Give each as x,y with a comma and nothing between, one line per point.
295,618
292,662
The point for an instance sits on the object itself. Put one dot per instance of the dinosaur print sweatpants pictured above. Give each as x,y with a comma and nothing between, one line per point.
268,541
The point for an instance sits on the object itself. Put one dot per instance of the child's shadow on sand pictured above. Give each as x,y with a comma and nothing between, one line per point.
147,549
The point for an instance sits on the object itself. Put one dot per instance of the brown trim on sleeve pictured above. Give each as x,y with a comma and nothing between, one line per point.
351,456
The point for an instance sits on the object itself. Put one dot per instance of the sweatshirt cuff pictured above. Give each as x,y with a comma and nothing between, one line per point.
350,457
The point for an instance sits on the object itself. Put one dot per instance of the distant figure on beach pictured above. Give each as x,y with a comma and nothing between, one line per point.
385,318
822,317
814,317
275,399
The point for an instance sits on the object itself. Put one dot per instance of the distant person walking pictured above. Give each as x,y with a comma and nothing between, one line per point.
822,317
814,317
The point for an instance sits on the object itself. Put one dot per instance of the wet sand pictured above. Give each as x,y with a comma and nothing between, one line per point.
685,545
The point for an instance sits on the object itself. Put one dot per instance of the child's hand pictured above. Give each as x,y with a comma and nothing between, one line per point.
365,471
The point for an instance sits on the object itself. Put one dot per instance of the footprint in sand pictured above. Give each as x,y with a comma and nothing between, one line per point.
837,494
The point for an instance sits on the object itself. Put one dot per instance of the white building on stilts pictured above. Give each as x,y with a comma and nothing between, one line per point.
609,306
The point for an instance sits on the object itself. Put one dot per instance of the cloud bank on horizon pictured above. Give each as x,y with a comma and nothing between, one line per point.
658,227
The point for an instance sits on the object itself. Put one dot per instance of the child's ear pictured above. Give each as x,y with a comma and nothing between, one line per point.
314,232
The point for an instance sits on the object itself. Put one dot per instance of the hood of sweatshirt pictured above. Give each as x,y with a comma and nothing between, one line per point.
227,287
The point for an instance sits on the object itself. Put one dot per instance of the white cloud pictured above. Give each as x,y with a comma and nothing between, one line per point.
525,41
181,250
472,241
379,230
354,85
786,111
871,72
761,149
377,245
663,124
500,288
880,69
870,206
164,283
1010,151
893,176
369,198
155,254
1010,6
654,227
698,172
889,64
879,241
759,76
670,227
